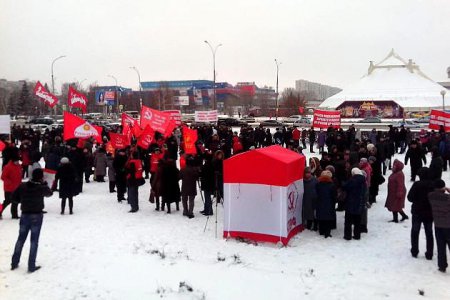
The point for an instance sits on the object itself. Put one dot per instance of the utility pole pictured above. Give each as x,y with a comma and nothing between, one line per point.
53,78
277,63
213,52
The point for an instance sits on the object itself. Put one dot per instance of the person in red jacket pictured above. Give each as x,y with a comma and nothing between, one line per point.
296,134
12,178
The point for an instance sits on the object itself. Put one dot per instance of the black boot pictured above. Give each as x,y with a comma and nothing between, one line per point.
404,216
395,217
63,205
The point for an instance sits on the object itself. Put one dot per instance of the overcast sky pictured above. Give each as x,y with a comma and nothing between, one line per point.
326,41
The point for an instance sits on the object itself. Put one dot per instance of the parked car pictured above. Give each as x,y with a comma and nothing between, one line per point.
406,124
370,120
40,127
248,119
423,120
271,123
304,122
230,122
292,119
46,120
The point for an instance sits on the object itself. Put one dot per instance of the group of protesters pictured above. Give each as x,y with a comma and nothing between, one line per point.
346,177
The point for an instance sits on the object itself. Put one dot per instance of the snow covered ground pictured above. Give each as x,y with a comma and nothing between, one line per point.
103,252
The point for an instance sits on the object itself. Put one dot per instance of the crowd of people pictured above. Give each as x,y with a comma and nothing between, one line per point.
345,176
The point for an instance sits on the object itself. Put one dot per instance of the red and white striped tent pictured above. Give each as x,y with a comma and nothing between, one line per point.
263,194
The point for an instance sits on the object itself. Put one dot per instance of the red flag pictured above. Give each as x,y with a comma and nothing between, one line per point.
119,141
146,137
137,131
98,138
127,119
44,95
189,138
2,146
157,120
76,127
109,148
170,128
439,118
77,99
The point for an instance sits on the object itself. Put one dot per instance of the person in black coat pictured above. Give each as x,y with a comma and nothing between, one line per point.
416,155
169,188
436,164
355,201
325,204
207,183
65,175
119,163
421,212
189,175
312,139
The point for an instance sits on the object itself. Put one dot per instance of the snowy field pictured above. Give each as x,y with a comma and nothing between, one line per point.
103,252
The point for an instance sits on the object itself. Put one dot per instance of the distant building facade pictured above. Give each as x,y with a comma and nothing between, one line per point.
320,91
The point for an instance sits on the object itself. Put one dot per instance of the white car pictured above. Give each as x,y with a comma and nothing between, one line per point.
40,127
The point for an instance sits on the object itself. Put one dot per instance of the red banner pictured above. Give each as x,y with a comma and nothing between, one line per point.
439,118
77,99
326,118
189,139
175,115
46,97
146,137
76,127
129,120
157,120
119,141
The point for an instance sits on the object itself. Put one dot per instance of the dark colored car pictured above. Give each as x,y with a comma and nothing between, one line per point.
47,121
271,123
230,122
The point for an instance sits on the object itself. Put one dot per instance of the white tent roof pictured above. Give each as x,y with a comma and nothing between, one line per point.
392,79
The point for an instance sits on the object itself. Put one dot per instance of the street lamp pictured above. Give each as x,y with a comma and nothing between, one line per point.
116,95
53,78
443,99
213,52
140,87
277,63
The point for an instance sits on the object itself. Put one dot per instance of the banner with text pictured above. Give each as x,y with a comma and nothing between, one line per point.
438,118
175,115
157,120
327,118
180,100
210,116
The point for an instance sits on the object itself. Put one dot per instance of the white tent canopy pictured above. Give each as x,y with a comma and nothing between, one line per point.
392,79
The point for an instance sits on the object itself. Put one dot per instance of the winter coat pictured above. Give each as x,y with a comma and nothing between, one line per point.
440,206
100,164
355,189
309,198
436,166
418,195
416,156
31,196
169,188
111,171
396,194
89,161
11,176
66,177
207,178
321,139
326,199
189,176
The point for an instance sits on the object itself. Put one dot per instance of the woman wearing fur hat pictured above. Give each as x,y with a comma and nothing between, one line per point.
326,201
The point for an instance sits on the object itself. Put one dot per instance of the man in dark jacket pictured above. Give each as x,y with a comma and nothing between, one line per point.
207,179
440,206
119,163
31,195
416,155
188,176
421,212
312,139
355,188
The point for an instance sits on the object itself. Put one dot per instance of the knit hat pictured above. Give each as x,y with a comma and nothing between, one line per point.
356,171
64,160
37,174
370,147
372,158
326,173
439,184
